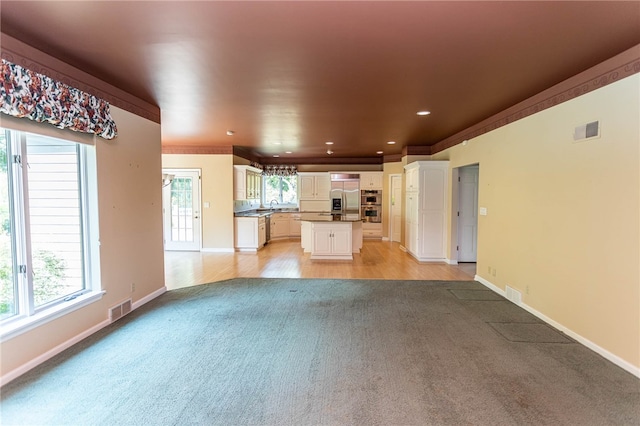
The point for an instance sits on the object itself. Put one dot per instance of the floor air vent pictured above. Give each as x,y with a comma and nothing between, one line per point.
120,310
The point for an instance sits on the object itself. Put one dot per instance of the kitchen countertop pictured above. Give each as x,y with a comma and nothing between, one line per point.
264,212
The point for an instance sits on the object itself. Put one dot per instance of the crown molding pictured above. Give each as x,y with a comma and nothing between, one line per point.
320,160
416,150
13,50
197,149
620,66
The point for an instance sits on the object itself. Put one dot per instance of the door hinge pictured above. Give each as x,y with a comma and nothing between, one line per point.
458,214
22,269
457,248
17,159
458,178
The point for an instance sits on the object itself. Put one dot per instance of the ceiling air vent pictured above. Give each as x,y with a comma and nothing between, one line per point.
587,131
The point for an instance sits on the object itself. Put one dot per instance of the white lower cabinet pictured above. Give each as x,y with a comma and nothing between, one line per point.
279,225
294,225
262,232
285,225
372,230
250,233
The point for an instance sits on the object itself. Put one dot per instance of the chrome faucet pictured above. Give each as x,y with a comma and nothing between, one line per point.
271,203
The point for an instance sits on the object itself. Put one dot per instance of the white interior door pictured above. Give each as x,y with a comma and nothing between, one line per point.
396,208
181,210
468,213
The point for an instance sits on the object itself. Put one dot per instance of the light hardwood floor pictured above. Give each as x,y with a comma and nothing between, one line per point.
285,259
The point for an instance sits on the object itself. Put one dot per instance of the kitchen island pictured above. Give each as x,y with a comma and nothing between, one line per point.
331,236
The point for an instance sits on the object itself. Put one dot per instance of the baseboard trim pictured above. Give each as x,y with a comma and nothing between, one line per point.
217,250
451,261
17,372
625,365
149,297
385,238
51,353
403,248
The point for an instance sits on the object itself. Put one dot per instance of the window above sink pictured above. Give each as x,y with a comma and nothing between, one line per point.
280,191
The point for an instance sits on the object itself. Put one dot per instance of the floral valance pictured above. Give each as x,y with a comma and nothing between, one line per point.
27,94
280,170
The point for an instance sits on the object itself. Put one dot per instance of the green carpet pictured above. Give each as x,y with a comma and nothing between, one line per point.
325,352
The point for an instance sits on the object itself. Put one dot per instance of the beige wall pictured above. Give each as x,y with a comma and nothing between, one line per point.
130,223
217,189
563,217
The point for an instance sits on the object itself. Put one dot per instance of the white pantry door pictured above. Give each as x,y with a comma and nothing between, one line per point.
396,208
181,210
468,214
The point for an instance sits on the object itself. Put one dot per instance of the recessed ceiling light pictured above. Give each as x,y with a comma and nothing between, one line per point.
329,143
391,142
276,155
288,152
329,152
277,143
378,152
230,132
423,113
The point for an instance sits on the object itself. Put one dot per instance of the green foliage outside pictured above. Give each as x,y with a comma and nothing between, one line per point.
282,189
48,269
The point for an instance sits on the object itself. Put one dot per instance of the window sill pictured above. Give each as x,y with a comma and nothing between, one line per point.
18,326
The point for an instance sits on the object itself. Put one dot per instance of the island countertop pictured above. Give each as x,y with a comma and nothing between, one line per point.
330,217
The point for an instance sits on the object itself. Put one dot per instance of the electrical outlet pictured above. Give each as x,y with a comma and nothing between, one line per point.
133,287
489,271
526,289
494,272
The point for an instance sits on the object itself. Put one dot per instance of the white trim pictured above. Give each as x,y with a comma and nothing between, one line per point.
490,285
217,250
51,353
15,328
149,297
625,365
451,261
75,339
385,238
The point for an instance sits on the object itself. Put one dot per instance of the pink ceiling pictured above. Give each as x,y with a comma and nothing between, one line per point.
289,76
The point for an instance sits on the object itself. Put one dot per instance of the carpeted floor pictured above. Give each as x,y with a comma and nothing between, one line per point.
326,352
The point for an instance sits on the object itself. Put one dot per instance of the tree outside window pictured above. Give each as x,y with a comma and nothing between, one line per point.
283,189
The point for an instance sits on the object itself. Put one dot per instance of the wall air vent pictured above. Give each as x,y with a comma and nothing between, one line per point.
118,311
587,131
513,295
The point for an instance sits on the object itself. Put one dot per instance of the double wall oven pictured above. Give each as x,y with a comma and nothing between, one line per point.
371,206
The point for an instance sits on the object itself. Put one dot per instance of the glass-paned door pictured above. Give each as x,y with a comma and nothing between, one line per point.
181,210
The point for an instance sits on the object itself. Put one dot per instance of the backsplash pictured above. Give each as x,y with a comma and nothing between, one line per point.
244,205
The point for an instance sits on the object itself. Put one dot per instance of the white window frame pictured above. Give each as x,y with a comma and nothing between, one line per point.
28,316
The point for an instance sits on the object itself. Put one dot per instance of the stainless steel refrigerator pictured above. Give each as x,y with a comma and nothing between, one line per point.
345,193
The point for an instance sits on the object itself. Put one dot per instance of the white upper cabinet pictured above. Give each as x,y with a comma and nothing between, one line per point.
411,178
371,180
314,186
247,183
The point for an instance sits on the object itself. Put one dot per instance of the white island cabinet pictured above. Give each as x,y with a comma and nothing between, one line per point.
331,237
331,241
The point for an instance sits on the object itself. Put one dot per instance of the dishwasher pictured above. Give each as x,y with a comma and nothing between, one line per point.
267,228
